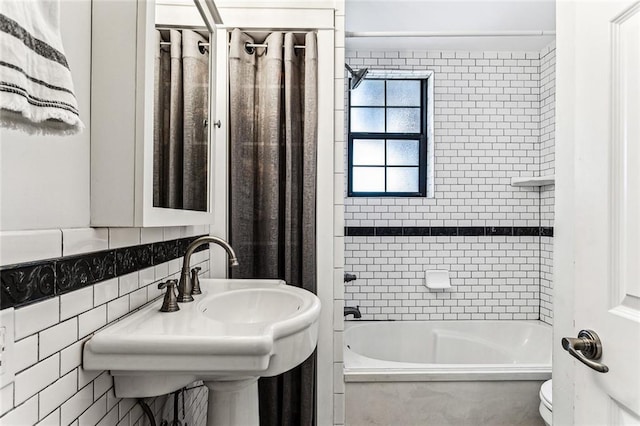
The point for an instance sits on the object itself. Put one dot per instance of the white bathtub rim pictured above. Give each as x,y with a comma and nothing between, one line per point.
355,362
497,373
360,322
359,368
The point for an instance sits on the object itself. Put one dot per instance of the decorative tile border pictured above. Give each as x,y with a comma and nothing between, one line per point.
26,283
74,272
448,231
133,259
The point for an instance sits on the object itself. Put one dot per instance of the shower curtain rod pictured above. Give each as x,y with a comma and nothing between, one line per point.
534,33
266,45
168,43
271,30
182,27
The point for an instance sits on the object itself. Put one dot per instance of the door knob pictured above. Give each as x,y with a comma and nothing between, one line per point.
586,348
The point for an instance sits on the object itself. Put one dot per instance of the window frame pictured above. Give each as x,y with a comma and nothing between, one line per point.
422,137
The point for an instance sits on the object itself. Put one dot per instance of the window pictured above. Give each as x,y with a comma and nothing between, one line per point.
388,135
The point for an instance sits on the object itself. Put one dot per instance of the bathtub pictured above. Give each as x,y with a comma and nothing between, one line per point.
445,372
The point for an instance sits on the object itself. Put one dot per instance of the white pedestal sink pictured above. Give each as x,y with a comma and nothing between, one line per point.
235,332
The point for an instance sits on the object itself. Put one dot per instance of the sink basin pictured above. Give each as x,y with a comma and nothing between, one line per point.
260,306
235,330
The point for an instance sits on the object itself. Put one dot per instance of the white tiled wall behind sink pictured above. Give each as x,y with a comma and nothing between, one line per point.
50,386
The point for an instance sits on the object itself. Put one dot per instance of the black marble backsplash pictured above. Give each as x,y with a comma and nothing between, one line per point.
30,282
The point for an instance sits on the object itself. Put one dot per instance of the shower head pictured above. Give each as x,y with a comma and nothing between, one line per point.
356,76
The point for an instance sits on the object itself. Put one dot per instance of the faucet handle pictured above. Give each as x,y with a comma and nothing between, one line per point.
168,283
195,280
170,302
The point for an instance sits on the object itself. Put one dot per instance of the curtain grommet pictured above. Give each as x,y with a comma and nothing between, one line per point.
202,47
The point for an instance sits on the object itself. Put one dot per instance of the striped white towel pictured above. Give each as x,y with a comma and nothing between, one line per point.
36,91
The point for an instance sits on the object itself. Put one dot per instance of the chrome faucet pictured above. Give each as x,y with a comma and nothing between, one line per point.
185,287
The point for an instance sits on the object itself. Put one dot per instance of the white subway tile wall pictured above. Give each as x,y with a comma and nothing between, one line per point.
337,326
547,167
76,302
84,240
34,318
25,414
486,128
491,277
36,378
55,395
29,246
546,280
27,350
547,111
494,119
123,237
6,399
60,336
51,387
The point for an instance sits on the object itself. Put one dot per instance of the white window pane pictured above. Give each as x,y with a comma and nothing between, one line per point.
403,120
403,152
368,179
403,93
368,152
368,93
367,119
402,179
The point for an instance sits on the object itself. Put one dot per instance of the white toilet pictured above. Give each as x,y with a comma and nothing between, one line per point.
545,402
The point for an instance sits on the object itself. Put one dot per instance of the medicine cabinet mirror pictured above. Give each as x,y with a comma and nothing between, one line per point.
152,109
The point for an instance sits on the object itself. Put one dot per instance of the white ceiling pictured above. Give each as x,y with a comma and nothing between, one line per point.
449,16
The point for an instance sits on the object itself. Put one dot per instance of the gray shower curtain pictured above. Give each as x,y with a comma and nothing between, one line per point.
273,131
181,88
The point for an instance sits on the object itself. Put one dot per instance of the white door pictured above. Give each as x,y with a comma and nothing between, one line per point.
597,256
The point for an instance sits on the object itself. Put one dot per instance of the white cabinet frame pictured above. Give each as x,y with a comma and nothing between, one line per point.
122,69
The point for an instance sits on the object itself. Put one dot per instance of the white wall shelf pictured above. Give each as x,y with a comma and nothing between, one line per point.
533,181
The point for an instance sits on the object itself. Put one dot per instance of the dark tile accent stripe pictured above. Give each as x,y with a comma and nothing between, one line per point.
416,231
26,283
546,231
526,231
499,230
444,231
131,259
163,252
360,231
471,231
448,231
75,272
389,231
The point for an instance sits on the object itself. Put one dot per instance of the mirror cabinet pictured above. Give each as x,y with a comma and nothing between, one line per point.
152,105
